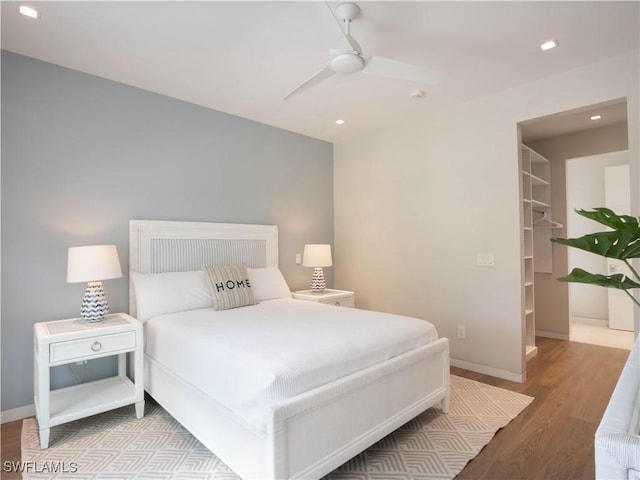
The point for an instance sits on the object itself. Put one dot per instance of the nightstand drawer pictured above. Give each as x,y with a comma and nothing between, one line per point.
91,347
340,302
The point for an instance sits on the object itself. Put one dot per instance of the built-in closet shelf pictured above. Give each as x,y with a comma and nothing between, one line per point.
535,172
537,181
538,205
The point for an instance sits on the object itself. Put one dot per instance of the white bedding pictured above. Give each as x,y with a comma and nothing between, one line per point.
251,358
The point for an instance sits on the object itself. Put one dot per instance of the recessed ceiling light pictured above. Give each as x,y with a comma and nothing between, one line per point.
596,117
549,45
28,11
339,122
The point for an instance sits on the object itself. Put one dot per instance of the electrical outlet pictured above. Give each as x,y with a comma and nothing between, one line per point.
461,331
298,258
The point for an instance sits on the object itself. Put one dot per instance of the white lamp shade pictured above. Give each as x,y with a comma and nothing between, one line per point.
316,255
93,263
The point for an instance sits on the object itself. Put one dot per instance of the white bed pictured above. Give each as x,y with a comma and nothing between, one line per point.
306,435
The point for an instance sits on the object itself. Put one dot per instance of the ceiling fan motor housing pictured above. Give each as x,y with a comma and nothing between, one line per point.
347,11
347,63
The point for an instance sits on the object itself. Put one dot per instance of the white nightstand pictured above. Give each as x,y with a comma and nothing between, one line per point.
341,298
73,340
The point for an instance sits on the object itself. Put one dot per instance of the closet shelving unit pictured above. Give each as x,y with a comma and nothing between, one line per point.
535,173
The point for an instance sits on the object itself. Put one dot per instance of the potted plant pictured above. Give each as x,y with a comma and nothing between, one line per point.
622,242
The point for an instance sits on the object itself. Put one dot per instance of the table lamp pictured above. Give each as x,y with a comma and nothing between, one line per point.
92,264
317,256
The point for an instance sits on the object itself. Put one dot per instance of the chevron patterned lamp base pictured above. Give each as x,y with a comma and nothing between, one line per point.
318,283
94,304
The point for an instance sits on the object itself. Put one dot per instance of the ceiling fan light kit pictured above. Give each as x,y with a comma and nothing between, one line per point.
347,63
351,60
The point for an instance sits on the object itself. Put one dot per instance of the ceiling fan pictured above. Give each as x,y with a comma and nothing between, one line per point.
352,60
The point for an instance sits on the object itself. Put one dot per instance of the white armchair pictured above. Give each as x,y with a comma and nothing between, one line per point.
617,441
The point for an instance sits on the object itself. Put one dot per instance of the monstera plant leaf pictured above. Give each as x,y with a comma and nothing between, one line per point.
609,218
617,244
618,280
622,243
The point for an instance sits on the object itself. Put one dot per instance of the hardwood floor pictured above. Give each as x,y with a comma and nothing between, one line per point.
10,449
551,439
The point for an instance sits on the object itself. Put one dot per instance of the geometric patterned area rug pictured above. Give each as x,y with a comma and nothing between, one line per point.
115,445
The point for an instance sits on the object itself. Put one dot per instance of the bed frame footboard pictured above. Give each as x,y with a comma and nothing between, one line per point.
299,441
364,408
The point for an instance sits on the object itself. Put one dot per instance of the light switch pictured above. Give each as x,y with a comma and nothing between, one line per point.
298,258
485,259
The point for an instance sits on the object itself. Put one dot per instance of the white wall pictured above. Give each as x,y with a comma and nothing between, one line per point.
585,189
416,203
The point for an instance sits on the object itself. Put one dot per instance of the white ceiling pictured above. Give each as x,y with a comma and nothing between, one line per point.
244,57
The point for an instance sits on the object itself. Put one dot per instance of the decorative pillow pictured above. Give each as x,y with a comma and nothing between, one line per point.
268,283
229,286
159,293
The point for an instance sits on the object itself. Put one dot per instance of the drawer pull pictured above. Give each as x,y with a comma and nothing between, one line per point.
96,346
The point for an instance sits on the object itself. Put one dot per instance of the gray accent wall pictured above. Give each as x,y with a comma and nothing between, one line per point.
81,156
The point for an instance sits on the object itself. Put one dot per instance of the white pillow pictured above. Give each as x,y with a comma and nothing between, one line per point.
268,283
159,293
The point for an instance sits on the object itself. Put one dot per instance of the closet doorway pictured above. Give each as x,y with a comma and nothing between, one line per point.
568,138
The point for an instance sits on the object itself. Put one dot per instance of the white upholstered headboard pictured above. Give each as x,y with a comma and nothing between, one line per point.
166,246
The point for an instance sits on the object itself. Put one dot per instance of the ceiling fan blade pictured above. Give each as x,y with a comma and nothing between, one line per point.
385,67
312,81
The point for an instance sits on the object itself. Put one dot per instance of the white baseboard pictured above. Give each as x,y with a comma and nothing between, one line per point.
590,321
494,372
18,413
557,336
